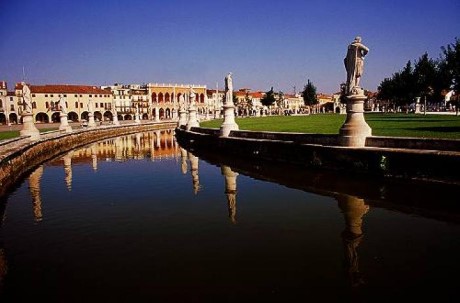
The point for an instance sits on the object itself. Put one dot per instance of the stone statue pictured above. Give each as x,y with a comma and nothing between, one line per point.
90,106
228,88
229,83
181,102
26,96
354,64
62,105
192,95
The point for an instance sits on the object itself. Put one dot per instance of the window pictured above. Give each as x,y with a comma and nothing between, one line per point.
1,103
47,105
100,96
81,104
95,96
12,107
11,99
33,95
90,96
102,105
34,104
96,104
52,104
76,96
76,104
65,96
66,104
81,96
46,96
51,96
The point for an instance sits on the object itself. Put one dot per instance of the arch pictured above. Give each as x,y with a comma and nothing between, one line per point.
55,117
337,110
42,118
167,97
2,118
84,115
120,117
201,98
178,96
145,117
168,113
154,97
172,97
97,116
72,116
47,105
160,97
128,117
162,113
108,116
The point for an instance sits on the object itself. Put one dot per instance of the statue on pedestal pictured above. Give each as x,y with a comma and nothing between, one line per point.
62,105
228,88
26,96
354,64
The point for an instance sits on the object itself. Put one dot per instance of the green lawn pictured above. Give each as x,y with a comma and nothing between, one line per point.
15,133
397,125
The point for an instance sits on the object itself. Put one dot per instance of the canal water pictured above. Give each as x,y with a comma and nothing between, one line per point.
138,218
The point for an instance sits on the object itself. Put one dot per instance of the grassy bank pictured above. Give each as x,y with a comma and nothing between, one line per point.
396,125
15,133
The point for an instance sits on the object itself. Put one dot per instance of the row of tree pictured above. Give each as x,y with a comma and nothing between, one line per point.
426,77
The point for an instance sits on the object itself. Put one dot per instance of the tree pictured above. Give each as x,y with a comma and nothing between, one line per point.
425,73
309,94
269,98
452,63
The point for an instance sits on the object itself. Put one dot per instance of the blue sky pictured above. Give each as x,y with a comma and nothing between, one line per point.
263,43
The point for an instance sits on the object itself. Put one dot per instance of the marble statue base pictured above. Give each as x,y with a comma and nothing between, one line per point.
115,120
182,118
354,131
64,127
192,119
91,122
28,127
229,123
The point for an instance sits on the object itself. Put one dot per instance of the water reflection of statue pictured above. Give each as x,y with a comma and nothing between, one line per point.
183,157
194,172
230,191
353,210
68,169
34,188
354,64
27,97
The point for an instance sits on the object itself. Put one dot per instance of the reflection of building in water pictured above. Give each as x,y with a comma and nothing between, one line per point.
194,171
34,188
158,145
230,191
68,169
353,210
183,157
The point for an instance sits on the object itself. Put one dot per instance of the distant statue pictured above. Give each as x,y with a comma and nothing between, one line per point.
228,88
62,105
181,102
27,97
90,106
354,64
192,95
229,82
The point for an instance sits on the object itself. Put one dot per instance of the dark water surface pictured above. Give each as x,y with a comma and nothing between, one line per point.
137,219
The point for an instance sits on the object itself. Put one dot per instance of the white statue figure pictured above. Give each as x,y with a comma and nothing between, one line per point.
27,97
181,102
90,106
354,63
229,82
62,105
192,95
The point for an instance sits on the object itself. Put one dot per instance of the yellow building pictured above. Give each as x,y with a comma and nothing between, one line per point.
8,105
76,97
165,97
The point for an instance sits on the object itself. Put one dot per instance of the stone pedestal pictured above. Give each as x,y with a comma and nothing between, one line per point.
91,122
229,123
64,127
115,119
157,114
354,131
182,118
29,128
192,118
417,106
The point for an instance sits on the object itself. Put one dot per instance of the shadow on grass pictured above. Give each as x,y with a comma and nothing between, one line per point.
441,129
